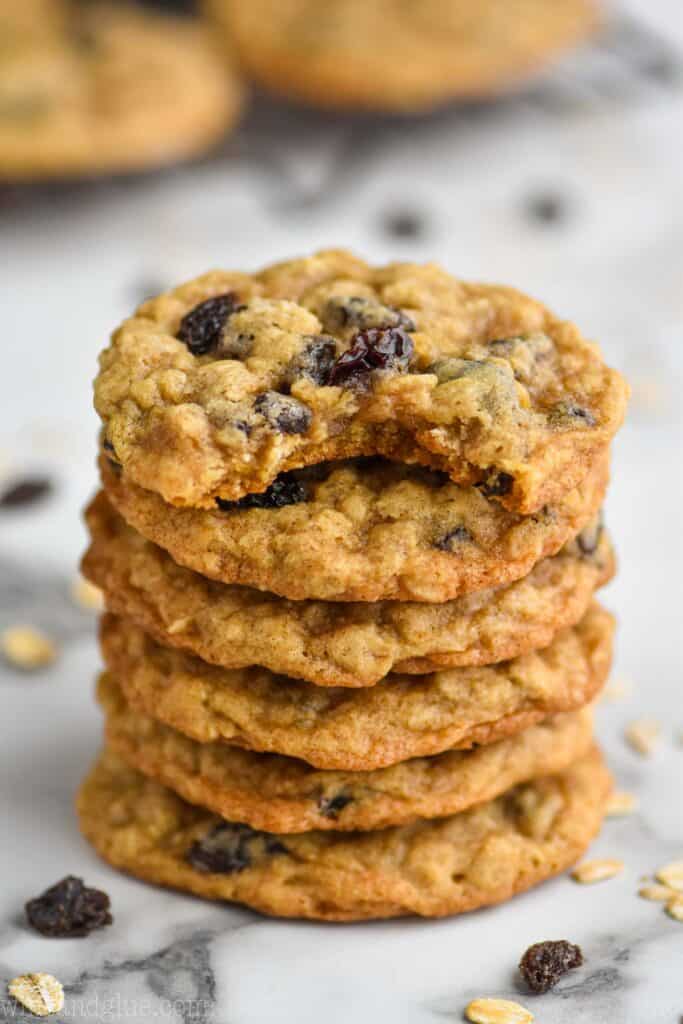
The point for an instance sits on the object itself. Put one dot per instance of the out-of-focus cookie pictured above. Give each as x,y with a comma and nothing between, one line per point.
104,88
359,729
214,389
387,55
338,644
282,794
445,866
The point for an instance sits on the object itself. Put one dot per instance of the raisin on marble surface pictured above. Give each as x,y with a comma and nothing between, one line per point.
69,909
545,963
405,224
26,492
201,328
388,348
228,849
284,490
547,208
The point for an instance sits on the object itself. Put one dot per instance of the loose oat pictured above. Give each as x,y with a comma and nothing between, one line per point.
87,595
659,893
621,804
41,994
598,870
497,1011
643,735
671,875
674,908
27,648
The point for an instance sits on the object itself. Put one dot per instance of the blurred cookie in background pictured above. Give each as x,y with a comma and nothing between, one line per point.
396,55
95,88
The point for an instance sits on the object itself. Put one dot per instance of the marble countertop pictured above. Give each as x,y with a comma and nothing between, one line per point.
572,191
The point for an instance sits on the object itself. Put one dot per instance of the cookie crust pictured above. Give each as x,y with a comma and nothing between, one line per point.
283,795
202,402
431,868
359,729
370,530
332,644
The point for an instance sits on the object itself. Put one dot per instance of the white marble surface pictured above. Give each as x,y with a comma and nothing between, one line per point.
605,135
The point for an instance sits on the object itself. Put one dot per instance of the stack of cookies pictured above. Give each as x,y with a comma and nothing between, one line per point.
349,538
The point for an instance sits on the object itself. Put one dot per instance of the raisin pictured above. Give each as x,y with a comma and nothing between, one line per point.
386,348
544,963
229,849
588,539
568,411
284,490
547,208
357,311
313,363
457,536
404,224
497,484
26,492
201,328
285,414
69,909
332,806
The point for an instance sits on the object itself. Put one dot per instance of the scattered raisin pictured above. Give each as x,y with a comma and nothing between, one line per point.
544,963
229,849
457,536
313,363
284,490
386,348
547,208
496,485
358,311
286,414
404,224
69,909
26,492
201,328
331,807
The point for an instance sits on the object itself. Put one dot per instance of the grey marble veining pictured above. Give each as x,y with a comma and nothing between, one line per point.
599,143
